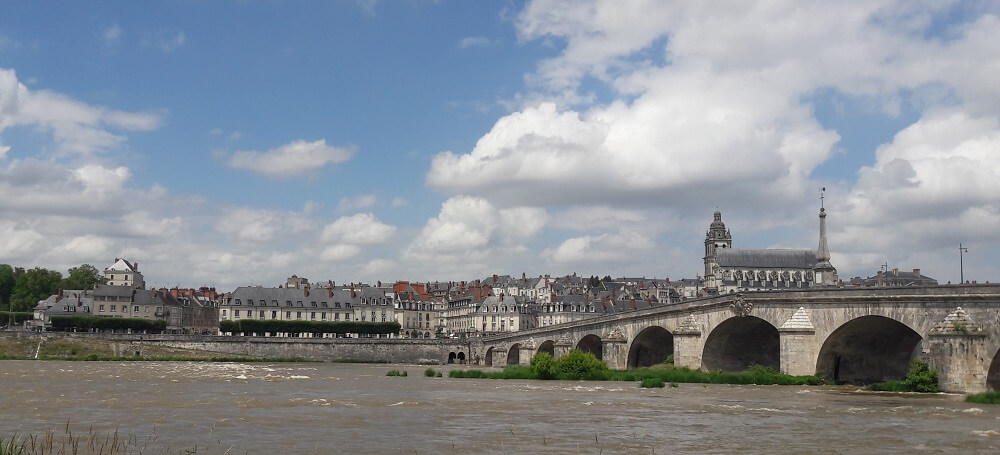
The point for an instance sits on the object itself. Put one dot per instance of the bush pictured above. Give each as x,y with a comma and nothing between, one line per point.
921,378
669,360
396,373
580,365
429,372
544,365
650,383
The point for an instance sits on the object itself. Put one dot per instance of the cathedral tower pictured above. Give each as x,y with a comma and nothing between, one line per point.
716,237
826,274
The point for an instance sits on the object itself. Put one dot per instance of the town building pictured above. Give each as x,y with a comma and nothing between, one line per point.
318,305
182,312
124,273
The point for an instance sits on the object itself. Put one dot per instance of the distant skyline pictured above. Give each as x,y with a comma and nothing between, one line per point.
236,143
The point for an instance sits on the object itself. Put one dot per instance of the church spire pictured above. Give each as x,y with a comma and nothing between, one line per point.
826,274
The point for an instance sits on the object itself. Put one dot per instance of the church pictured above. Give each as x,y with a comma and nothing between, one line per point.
729,269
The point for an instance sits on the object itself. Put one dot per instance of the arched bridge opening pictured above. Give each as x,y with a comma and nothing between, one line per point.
592,344
650,347
514,354
742,341
548,346
868,349
993,377
489,357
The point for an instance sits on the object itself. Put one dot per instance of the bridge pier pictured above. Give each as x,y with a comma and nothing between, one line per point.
798,351
525,353
613,350
687,345
562,347
960,359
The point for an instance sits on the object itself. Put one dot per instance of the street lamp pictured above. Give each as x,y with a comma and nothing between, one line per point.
961,267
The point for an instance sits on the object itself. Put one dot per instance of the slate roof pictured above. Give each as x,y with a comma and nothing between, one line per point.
766,258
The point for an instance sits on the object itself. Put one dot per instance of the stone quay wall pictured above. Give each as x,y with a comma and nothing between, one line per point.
319,349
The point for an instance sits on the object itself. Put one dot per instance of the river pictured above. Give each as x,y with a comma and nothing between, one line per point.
320,408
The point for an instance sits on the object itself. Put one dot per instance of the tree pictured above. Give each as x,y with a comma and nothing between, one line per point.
34,285
83,277
7,281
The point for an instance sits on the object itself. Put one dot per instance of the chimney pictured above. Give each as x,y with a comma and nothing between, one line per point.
895,271
135,266
329,292
305,291
916,272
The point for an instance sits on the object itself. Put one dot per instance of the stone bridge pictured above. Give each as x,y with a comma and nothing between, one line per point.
850,335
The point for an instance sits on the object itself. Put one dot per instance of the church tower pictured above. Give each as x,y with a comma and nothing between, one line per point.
826,274
716,237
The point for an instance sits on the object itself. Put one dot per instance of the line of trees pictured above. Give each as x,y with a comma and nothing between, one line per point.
341,327
20,289
67,323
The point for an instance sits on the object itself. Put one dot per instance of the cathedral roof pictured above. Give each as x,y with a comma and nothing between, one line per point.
765,258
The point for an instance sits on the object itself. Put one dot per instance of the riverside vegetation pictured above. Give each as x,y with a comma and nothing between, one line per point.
921,378
579,365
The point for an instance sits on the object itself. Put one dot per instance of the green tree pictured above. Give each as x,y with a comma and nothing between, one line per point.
7,281
83,277
34,285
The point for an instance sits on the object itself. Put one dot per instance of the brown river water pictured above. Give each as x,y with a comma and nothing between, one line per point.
324,408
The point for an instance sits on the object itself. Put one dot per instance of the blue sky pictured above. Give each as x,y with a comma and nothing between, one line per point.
233,143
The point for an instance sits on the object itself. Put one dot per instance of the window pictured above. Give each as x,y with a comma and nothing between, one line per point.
323,315
237,301
136,308
236,313
312,316
261,314
288,315
112,308
101,307
336,316
223,314
298,315
274,315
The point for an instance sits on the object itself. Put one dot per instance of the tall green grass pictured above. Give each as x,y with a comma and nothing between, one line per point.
984,398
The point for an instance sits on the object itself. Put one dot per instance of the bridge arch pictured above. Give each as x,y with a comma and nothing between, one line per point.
547,346
592,344
993,377
868,349
514,354
489,357
650,347
741,341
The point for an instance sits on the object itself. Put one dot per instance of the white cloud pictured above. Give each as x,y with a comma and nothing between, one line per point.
361,201
112,35
600,249
360,229
76,127
293,159
340,252
398,202
15,240
261,225
174,42
474,41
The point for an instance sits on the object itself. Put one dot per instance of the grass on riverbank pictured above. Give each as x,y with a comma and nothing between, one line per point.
359,361
984,398
584,366
51,442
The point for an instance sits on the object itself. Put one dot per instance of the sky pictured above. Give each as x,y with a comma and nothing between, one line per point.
235,143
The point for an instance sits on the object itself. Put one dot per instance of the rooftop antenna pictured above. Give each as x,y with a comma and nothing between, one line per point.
821,197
